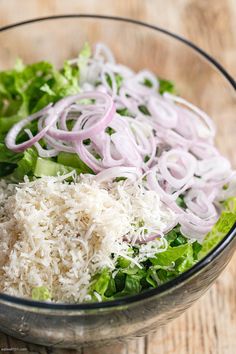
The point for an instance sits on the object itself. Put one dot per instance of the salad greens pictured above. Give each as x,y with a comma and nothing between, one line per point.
27,89
180,255
166,86
129,279
41,293
23,91
221,228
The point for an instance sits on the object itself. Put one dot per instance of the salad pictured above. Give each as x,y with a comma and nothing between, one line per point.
110,181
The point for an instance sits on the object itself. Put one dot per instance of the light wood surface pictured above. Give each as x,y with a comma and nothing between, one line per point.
209,327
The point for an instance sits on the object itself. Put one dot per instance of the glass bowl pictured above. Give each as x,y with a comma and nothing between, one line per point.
200,79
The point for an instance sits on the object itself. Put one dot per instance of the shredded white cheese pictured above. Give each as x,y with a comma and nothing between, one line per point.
59,234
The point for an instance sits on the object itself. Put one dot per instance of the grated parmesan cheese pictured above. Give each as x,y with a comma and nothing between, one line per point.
58,234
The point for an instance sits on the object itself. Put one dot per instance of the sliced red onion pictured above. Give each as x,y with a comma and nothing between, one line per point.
130,100
200,114
102,52
162,111
42,152
100,124
88,158
203,150
153,184
187,218
168,197
136,83
127,149
103,89
185,126
94,70
87,87
199,204
131,173
216,168
16,129
120,69
194,231
176,136
107,150
183,189
178,158
228,189
172,138
128,145
113,90
143,134
56,144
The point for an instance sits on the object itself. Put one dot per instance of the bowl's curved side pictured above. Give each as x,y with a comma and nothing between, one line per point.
99,327
72,326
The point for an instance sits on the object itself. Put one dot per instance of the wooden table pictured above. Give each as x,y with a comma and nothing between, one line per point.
209,327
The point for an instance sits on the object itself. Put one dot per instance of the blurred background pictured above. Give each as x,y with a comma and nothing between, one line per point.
210,325
209,24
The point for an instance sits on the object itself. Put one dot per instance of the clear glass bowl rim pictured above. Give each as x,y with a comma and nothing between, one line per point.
189,273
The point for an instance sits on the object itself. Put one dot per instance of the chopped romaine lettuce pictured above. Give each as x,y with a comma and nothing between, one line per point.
144,110
25,91
129,279
124,112
45,167
118,79
166,86
180,201
110,131
28,88
6,169
169,256
26,165
100,283
9,156
17,165
220,229
73,160
147,82
41,293
83,57
230,205
7,122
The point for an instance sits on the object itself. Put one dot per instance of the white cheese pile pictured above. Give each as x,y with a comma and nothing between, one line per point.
59,234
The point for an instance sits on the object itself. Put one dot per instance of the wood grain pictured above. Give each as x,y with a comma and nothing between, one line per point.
210,325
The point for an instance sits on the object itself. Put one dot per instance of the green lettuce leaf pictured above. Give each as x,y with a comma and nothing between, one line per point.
25,166
82,61
73,160
17,165
101,283
41,293
7,122
25,91
9,156
166,86
220,229
44,167
132,285
119,80
169,256
6,169
230,205
20,90
130,279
